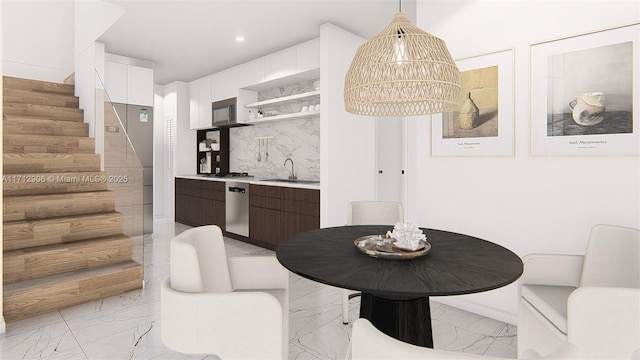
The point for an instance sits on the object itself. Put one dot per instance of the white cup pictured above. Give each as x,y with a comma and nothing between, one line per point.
304,109
317,107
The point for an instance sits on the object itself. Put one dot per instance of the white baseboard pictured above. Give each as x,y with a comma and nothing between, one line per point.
163,220
3,325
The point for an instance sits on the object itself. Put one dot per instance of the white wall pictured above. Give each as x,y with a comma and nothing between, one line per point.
176,107
162,167
527,204
38,39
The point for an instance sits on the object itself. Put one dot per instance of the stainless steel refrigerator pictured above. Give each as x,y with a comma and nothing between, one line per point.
138,122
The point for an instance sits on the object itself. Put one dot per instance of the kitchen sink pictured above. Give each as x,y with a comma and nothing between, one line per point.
294,181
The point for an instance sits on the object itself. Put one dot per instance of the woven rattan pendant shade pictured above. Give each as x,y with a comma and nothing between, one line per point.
402,71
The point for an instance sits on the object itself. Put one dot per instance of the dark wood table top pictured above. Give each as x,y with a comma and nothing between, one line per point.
457,264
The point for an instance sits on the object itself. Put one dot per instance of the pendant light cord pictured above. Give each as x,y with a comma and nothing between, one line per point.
400,6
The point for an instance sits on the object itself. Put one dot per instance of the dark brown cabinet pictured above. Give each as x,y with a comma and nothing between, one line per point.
265,215
219,159
300,211
276,213
199,202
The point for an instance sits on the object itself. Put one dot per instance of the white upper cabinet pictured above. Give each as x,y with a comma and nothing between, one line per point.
129,84
139,85
194,102
115,80
280,64
251,73
224,84
200,103
308,55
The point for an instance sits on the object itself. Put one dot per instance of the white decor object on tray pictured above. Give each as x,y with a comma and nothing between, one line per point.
408,236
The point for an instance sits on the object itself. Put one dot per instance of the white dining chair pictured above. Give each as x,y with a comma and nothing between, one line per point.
369,213
590,300
235,308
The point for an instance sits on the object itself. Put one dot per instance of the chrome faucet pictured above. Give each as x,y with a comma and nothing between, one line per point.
292,175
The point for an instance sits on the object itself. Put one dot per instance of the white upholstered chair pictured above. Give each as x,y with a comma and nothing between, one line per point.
369,213
369,343
235,308
590,301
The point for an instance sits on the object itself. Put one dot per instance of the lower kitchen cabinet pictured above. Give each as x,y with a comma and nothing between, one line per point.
276,213
199,202
265,215
300,211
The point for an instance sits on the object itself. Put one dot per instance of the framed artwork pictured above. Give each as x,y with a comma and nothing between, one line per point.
584,94
483,124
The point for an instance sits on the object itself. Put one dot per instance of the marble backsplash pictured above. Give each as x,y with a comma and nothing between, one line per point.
298,139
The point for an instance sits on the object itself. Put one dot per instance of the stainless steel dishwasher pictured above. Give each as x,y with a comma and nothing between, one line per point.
237,208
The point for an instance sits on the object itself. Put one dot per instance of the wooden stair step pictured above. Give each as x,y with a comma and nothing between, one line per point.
37,85
31,207
34,126
11,95
54,144
53,183
27,264
48,163
43,111
38,296
31,233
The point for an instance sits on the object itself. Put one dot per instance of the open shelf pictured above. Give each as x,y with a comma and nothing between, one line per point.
284,99
298,115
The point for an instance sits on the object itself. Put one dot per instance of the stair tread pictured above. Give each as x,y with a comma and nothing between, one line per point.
26,96
18,105
54,183
38,296
31,263
18,163
47,248
46,143
47,111
37,85
23,234
32,126
39,206
22,118
64,218
10,289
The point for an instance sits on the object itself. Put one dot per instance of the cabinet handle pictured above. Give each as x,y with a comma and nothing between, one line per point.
379,171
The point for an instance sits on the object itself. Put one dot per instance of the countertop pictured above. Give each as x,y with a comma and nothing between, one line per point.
255,181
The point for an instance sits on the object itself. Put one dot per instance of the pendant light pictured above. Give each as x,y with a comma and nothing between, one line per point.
402,71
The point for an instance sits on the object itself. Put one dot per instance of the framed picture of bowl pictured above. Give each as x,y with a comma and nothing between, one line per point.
584,93
482,125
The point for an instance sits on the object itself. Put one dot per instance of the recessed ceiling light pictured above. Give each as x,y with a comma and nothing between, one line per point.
239,39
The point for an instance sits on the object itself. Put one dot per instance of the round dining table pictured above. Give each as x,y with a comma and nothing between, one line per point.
395,293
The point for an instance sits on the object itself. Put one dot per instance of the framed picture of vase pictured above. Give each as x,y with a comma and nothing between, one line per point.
584,94
483,124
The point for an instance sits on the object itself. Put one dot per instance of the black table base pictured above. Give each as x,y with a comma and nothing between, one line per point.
405,320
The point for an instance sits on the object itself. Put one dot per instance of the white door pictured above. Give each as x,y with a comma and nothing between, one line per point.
390,158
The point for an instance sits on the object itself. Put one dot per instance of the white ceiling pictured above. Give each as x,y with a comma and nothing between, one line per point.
189,39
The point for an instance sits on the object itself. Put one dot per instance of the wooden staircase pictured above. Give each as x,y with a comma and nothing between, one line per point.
63,241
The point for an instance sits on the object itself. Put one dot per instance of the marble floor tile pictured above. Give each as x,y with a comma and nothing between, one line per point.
127,326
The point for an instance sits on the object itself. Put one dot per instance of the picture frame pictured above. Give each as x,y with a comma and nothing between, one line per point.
584,94
487,85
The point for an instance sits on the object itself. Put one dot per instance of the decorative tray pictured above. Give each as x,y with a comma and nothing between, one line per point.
379,246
